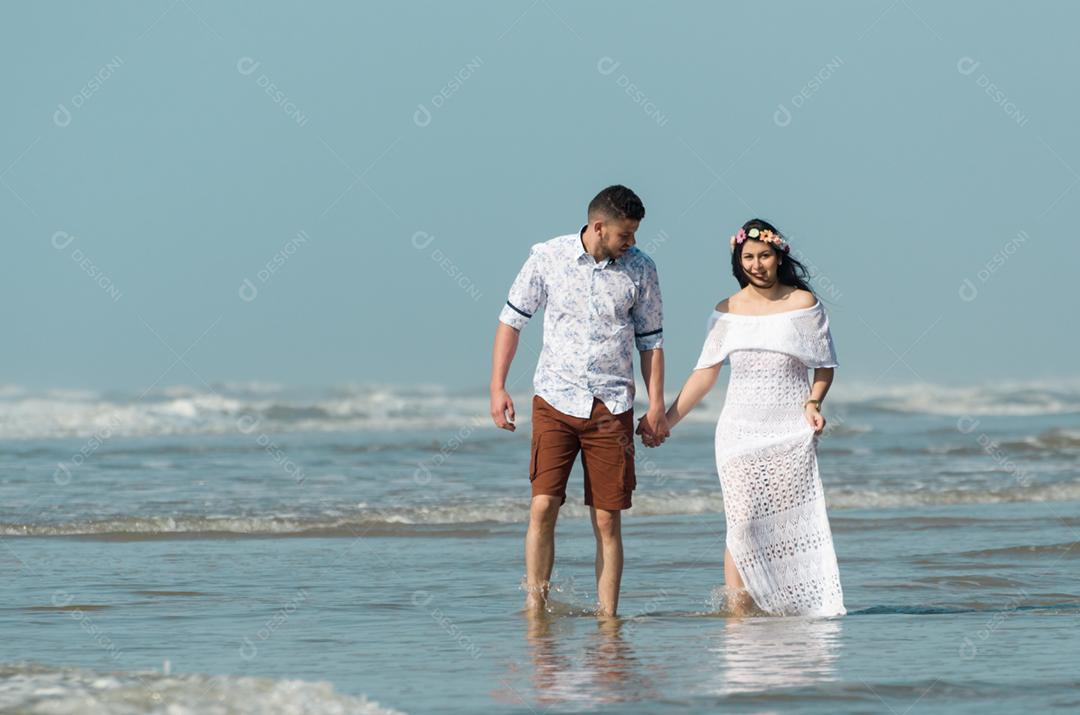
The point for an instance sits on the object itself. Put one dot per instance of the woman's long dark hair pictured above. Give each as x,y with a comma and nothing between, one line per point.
790,272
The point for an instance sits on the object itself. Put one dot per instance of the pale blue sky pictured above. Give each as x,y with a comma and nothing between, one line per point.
169,151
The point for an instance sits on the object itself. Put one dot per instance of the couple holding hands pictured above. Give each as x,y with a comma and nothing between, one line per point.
601,300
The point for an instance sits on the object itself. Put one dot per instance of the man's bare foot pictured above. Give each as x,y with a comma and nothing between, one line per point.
536,597
608,625
603,613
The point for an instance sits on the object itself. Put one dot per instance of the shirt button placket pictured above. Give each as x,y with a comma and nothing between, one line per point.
594,322
591,320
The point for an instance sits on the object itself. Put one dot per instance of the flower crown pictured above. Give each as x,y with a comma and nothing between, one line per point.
760,234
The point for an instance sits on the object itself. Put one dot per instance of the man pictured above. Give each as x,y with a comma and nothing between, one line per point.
601,297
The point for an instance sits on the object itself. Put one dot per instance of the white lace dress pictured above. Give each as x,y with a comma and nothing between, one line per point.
766,455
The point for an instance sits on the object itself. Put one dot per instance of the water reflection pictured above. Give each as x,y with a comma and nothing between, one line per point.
602,669
761,654
582,662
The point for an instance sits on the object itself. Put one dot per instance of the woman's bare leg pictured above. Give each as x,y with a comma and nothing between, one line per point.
738,598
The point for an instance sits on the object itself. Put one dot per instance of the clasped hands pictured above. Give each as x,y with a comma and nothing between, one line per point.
653,427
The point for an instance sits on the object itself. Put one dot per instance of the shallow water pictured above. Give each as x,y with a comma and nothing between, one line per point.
386,566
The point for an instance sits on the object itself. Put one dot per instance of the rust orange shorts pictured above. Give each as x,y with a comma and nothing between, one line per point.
606,443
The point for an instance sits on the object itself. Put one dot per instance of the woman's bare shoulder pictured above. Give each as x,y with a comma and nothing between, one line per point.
800,298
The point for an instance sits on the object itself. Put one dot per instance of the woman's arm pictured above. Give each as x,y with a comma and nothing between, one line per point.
697,386
823,377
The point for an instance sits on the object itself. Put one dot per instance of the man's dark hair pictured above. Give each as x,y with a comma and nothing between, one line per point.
617,202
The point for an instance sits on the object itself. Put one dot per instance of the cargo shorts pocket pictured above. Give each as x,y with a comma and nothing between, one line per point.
626,440
534,455
629,471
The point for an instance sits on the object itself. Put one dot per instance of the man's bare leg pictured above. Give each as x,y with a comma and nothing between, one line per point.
607,527
739,600
540,550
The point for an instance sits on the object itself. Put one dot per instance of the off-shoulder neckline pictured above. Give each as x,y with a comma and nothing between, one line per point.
769,315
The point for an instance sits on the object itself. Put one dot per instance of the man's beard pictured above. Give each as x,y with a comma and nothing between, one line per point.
609,253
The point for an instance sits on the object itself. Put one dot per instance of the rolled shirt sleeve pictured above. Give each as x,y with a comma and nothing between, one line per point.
648,311
527,294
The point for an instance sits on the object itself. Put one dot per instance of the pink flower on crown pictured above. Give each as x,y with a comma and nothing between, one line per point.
738,238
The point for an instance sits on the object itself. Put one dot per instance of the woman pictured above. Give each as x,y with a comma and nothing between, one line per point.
779,554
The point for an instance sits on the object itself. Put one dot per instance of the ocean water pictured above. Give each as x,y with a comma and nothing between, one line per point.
358,549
